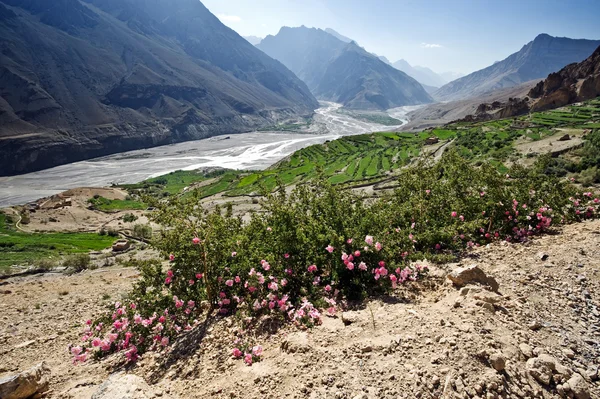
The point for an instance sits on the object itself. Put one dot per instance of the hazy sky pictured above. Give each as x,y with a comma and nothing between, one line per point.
445,35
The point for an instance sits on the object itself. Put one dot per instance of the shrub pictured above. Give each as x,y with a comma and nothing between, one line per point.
142,231
77,262
45,264
129,217
309,248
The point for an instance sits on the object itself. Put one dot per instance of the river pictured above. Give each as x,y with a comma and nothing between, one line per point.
255,150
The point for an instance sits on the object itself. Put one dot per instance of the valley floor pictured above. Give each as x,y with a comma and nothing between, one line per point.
430,341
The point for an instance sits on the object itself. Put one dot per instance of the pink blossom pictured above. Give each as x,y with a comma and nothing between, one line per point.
137,319
349,241
350,266
427,192
248,359
357,253
164,341
233,254
96,342
269,229
191,282
112,337
329,249
454,214
229,283
369,240
312,268
327,288
257,350
199,275
237,279
378,246
226,301
284,282
266,266
237,353
362,266
462,218
286,256
394,280
196,240
171,257
272,286
76,350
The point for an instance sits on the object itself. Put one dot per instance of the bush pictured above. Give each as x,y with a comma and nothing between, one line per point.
319,244
129,217
142,231
45,264
77,262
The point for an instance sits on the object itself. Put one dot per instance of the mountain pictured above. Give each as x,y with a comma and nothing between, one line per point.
338,35
254,40
87,78
538,58
573,83
342,72
423,75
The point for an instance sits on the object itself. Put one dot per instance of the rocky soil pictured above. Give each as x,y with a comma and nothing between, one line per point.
537,336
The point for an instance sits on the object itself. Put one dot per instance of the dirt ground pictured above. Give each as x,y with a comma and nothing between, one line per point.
431,340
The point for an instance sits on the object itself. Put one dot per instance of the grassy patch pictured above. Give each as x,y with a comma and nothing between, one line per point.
19,248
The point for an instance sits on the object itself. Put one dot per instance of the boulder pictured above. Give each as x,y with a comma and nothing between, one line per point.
124,386
497,361
579,387
121,245
472,274
543,367
25,384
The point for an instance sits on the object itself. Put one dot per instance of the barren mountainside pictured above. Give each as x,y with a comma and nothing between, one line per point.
544,55
81,79
343,72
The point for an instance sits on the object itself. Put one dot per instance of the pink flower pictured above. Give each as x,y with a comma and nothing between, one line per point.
272,286
137,319
357,253
350,266
454,214
286,256
236,353
170,273
362,266
462,218
199,275
233,254
171,257
312,268
196,240
427,192
229,283
112,337
168,280
248,359
349,241
76,350
96,342
237,279
327,288
394,280
369,240
284,282
378,246
191,282
164,341
329,249
266,266
257,350
269,229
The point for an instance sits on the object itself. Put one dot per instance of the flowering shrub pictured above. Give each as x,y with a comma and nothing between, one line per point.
308,249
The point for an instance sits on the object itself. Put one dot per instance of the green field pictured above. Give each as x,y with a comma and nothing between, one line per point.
108,205
355,160
19,248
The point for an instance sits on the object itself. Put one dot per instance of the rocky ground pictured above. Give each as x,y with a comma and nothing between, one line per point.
538,336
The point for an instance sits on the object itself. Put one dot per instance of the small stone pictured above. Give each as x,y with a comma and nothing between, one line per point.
24,344
498,361
542,256
569,353
526,350
535,325
25,384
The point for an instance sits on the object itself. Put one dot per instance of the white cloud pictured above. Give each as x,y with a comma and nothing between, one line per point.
431,45
229,18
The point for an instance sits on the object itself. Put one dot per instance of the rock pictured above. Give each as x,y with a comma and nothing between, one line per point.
526,350
497,361
124,386
579,387
569,353
296,343
349,317
542,256
535,325
24,344
472,274
566,137
542,368
121,245
25,384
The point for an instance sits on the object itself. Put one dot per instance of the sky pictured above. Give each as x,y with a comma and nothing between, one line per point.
444,35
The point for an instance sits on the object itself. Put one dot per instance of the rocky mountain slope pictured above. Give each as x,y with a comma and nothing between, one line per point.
536,337
342,72
86,78
574,83
544,55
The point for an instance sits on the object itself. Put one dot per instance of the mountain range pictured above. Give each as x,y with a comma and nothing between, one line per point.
544,55
341,71
86,78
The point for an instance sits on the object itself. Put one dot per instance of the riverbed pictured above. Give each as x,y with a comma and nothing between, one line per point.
246,151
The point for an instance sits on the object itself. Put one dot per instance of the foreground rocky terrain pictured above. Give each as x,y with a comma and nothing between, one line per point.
538,336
